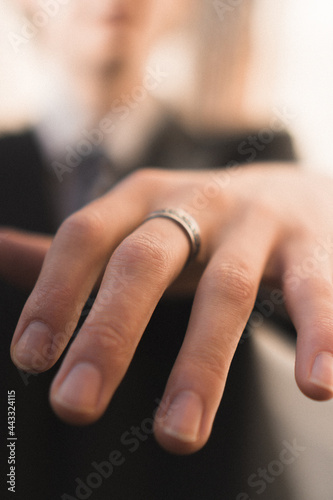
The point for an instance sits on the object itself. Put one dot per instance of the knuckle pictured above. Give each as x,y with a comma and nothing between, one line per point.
234,282
141,175
142,178
149,180
209,363
85,226
320,329
264,209
323,326
317,337
110,337
51,295
147,174
321,287
145,252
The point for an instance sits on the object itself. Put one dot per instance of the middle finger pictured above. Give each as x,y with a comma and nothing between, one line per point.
140,270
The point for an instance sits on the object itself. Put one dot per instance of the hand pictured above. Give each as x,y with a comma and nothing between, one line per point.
265,223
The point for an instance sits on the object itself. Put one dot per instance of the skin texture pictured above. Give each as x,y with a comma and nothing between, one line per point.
267,223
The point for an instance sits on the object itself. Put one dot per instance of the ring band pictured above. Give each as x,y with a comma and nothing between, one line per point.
186,222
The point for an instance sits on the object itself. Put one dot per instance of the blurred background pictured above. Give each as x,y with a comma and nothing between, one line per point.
290,71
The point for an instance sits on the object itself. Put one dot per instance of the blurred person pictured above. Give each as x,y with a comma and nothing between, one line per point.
223,57
253,227
100,105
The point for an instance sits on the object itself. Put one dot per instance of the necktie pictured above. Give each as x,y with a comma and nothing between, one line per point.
92,178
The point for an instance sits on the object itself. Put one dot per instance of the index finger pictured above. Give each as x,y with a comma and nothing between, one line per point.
79,252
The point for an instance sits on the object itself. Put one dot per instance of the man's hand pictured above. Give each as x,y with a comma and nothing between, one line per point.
265,223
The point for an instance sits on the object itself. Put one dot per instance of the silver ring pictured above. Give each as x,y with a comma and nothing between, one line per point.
186,222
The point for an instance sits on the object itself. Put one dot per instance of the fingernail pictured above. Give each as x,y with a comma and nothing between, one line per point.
80,391
322,371
182,418
33,349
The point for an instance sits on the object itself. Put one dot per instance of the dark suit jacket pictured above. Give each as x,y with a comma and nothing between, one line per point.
55,460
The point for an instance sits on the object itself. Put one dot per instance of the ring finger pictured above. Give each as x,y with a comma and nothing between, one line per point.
222,305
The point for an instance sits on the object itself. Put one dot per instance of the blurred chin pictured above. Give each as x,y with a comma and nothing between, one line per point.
99,48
